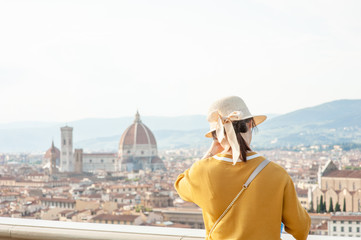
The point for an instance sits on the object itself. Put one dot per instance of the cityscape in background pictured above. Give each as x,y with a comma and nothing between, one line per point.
134,185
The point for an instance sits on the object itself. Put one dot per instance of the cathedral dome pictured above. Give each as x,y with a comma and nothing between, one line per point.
138,148
47,154
137,134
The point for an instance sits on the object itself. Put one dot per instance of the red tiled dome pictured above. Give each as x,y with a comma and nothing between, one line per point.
47,155
137,133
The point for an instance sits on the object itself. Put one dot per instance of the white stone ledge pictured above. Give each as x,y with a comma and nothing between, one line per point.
29,229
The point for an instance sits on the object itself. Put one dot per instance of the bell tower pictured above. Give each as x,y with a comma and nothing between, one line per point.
52,168
66,155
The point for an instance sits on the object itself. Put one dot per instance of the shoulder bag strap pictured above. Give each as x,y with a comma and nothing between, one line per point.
249,180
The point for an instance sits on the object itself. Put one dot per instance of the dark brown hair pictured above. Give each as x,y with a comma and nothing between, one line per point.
241,127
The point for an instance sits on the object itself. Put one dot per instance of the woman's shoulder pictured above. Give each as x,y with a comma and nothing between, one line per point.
278,171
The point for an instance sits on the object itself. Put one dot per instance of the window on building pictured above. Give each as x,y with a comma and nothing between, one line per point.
350,229
354,186
69,141
101,160
64,142
342,229
90,161
342,221
358,229
334,221
334,229
339,185
142,152
113,160
350,222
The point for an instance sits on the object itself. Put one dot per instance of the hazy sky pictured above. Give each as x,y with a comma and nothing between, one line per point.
67,60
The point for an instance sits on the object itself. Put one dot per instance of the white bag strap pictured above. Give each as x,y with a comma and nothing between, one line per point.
245,186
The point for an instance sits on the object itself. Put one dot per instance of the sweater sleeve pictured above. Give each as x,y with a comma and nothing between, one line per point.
188,182
295,218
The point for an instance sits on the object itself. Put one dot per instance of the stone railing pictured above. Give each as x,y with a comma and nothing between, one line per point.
29,229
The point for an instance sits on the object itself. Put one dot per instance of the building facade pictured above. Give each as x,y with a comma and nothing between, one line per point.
99,161
345,225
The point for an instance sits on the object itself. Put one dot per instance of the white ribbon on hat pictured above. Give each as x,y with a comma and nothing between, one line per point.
224,125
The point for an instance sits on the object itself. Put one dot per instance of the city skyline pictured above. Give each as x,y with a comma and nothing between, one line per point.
64,61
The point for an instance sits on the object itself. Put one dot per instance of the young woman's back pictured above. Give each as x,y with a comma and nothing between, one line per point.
212,183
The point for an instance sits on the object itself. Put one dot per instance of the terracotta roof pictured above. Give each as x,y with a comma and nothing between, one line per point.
302,192
128,136
344,174
110,217
95,195
66,211
7,178
47,155
137,133
347,218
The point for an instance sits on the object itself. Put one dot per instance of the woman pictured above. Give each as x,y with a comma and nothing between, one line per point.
213,182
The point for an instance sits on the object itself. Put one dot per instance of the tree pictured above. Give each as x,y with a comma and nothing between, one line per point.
330,209
311,210
337,207
322,210
318,210
344,205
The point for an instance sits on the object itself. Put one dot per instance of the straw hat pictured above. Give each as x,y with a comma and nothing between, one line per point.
232,108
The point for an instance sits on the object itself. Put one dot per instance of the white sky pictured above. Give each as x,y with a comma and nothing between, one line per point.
67,60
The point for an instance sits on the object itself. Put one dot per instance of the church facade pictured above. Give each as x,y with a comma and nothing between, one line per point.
342,186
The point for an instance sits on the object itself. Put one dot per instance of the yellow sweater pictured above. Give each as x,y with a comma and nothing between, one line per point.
270,199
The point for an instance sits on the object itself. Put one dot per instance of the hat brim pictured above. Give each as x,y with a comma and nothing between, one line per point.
257,120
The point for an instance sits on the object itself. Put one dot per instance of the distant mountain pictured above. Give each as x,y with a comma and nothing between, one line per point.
336,122
91,134
166,139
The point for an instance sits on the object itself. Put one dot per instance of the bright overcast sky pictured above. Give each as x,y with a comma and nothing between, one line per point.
67,60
